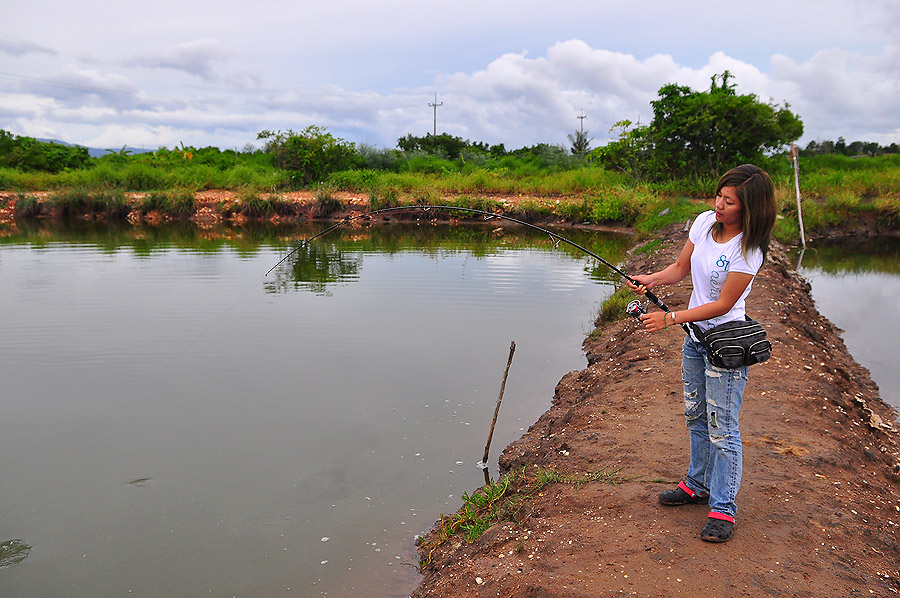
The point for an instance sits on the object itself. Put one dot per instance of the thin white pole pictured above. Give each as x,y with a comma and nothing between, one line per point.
795,160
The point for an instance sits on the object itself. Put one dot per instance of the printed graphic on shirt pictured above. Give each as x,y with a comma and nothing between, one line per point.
717,277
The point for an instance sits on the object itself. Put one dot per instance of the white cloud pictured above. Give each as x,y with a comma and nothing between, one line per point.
22,47
198,57
368,72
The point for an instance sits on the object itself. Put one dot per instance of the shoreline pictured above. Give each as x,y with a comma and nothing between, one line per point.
819,502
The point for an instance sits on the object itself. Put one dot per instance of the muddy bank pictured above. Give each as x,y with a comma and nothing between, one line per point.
819,506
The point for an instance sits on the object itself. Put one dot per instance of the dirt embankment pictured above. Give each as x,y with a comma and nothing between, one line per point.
819,505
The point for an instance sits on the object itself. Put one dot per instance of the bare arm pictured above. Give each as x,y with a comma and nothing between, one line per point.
676,271
735,284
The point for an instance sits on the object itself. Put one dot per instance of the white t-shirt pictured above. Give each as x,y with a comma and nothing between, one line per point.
710,264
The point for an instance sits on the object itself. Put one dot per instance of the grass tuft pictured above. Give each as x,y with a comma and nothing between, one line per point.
509,499
613,308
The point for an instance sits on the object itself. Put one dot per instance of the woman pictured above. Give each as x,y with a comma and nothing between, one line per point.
725,249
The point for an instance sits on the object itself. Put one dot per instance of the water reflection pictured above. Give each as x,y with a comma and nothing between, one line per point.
478,239
844,256
856,284
170,410
313,268
338,258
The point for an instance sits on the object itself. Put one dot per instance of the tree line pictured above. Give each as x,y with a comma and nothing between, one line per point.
855,148
691,134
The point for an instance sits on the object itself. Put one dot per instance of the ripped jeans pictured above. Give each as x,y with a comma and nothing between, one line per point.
712,402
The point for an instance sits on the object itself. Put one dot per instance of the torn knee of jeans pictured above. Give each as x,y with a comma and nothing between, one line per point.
713,372
713,423
693,410
716,438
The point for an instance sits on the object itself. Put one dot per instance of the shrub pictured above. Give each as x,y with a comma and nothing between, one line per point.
384,197
326,203
252,205
28,206
310,155
614,307
353,180
181,203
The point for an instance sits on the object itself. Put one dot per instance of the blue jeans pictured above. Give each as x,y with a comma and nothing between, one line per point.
712,402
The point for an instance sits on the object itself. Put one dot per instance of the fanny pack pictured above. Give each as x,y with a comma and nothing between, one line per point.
736,343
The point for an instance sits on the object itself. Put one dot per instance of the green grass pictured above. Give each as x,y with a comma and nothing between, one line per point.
662,211
614,307
177,203
326,203
838,191
80,202
508,499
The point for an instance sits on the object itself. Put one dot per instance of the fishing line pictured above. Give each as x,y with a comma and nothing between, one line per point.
554,237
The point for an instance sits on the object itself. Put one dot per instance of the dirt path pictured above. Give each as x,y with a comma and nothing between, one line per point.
819,506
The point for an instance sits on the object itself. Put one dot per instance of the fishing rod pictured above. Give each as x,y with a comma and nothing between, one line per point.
634,308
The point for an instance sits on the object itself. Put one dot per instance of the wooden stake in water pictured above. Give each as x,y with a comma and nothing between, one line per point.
487,447
795,160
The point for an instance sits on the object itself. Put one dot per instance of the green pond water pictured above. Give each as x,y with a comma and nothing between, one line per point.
177,423
856,284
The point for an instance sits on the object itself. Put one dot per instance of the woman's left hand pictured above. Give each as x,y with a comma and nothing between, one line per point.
656,320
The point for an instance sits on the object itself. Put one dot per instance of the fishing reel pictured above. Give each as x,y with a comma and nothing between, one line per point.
636,308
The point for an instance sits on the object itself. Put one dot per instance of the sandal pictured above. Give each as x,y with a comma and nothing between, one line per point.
682,495
718,528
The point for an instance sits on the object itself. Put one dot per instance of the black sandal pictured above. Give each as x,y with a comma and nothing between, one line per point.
682,495
718,528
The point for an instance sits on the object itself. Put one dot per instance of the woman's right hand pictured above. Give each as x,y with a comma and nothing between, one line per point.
645,282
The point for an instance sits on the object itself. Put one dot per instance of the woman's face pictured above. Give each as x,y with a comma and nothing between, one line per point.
728,207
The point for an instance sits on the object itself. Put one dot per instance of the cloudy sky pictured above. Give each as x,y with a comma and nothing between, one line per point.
107,73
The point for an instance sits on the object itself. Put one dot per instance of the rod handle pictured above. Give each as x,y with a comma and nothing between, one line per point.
656,301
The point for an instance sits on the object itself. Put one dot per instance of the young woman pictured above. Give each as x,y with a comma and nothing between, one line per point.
725,249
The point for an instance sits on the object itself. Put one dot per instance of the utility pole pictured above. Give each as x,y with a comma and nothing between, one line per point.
435,105
581,118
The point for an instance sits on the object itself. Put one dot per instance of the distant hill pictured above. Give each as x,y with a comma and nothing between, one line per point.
96,152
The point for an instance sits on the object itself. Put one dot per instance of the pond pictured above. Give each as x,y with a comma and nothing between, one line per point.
177,423
856,285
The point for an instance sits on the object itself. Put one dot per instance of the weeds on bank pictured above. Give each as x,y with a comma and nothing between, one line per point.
613,308
508,499
326,203
28,206
178,203
79,202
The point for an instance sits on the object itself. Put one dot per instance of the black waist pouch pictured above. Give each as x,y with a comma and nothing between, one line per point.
736,343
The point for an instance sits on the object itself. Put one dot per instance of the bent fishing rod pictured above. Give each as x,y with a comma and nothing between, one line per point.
487,216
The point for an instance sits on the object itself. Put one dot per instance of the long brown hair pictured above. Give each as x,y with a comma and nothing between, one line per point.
757,195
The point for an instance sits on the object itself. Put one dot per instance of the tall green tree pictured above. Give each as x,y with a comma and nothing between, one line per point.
704,133
29,154
443,145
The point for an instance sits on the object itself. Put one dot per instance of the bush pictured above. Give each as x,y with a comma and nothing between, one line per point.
28,206
311,155
614,205
29,154
353,180
614,307
372,158
384,197
326,203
